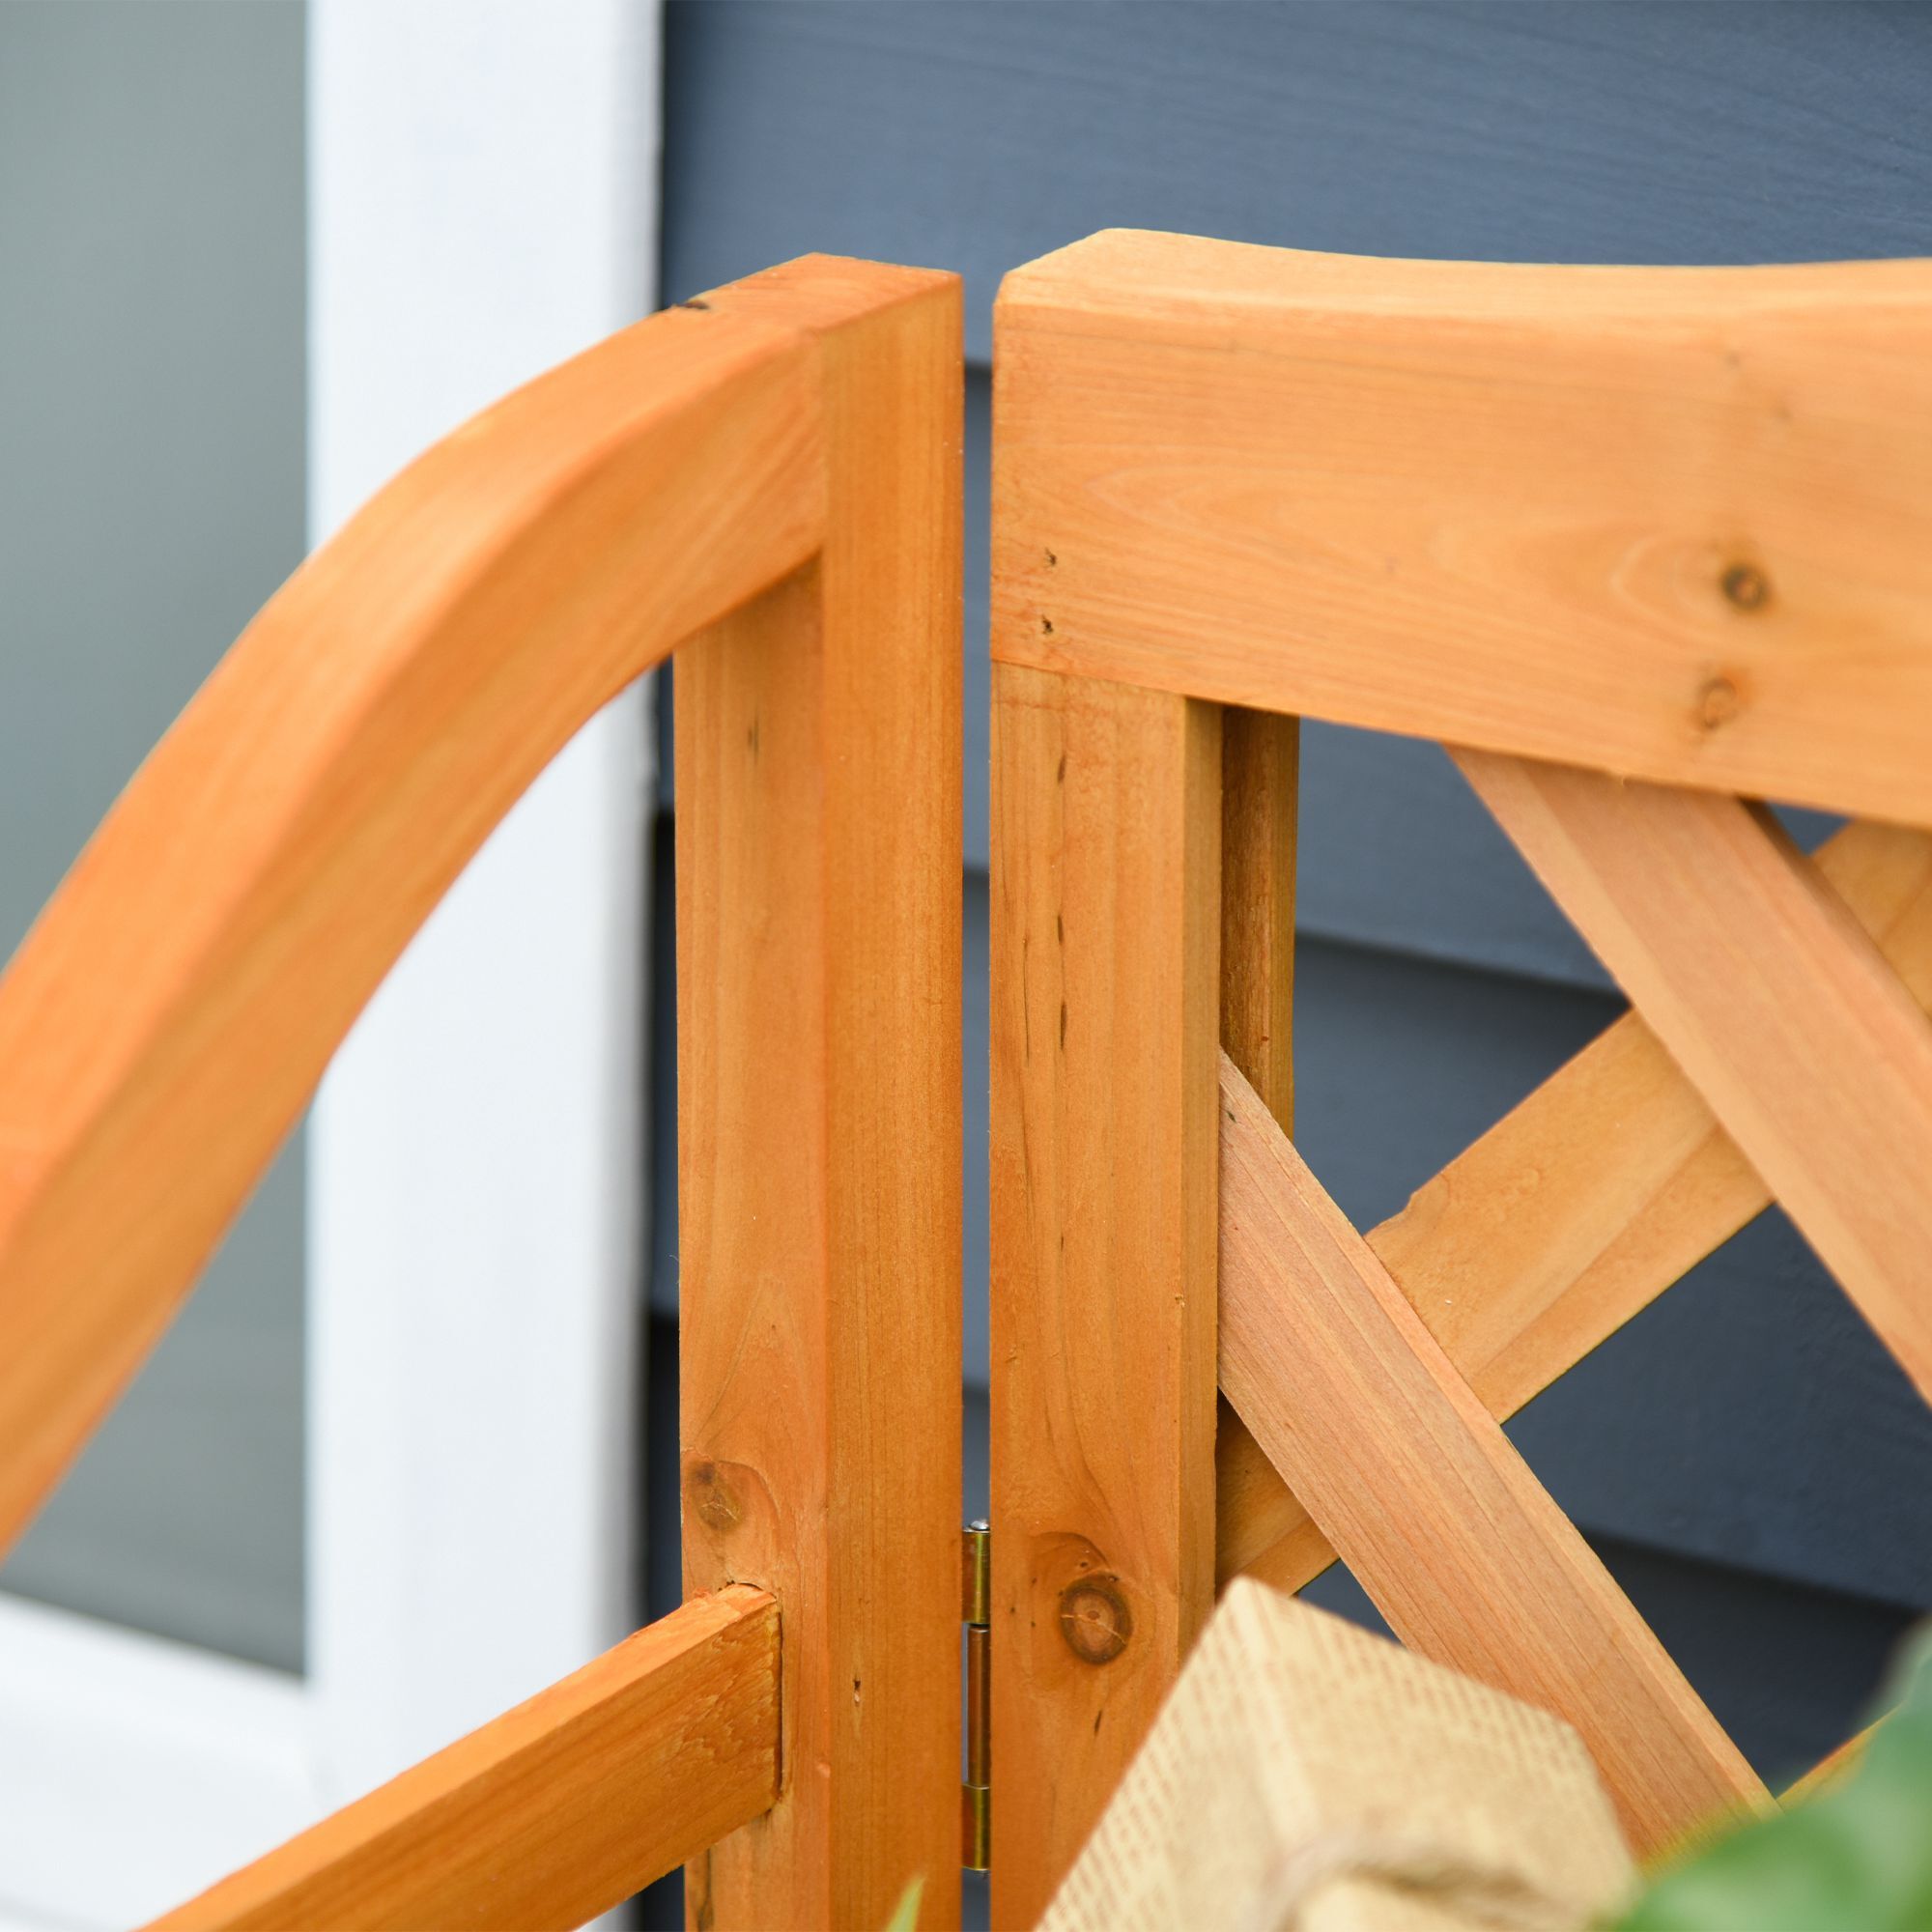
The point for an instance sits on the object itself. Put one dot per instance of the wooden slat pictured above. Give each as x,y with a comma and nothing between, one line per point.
166,1019
1435,1513
555,1811
1832,1769
818,935
1665,520
1575,1211
1764,990
1261,757
1106,810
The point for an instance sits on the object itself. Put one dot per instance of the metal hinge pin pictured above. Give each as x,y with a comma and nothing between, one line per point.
976,1610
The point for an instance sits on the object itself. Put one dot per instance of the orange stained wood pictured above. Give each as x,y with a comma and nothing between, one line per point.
164,1022
1261,757
818,935
1665,520
555,1811
1575,1211
1434,1511
1765,991
1261,764
1107,885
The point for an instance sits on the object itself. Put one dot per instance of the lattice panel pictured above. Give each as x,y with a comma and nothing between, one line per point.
1778,1007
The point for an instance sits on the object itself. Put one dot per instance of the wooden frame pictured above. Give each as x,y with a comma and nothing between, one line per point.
774,466
1659,524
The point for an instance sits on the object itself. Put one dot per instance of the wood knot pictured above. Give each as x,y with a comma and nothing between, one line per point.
1094,1619
1719,702
711,1498
1745,587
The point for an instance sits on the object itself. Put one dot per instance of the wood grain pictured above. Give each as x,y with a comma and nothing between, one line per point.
1434,1511
1765,991
1105,908
1296,482
162,1025
555,1811
1575,1211
1260,756
818,937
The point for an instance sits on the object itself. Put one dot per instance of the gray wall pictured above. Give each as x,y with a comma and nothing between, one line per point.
1753,1461
150,497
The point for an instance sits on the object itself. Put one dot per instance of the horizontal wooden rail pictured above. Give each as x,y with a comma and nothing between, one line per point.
1438,1517
1574,1212
555,1811
1670,521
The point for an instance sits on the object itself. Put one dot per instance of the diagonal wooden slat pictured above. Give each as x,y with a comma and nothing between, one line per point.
1434,1511
1777,1006
1574,1211
555,1811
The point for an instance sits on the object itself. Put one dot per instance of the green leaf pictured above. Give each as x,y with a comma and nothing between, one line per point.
1855,1858
905,1914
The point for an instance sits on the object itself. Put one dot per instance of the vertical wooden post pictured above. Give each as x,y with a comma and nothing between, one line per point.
1260,765
1105,942
818,863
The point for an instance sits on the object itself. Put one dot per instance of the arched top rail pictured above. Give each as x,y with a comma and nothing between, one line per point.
1672,522
165,1021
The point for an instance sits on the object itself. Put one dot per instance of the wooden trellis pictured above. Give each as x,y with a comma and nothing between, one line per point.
1638,546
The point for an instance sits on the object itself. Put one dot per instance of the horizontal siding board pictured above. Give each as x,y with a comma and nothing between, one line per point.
973,137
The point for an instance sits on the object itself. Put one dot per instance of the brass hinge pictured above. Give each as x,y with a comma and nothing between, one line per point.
976,1611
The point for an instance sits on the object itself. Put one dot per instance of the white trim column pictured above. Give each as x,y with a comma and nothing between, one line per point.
483,203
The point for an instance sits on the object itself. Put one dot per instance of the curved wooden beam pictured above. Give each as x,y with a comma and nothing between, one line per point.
166,1019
